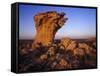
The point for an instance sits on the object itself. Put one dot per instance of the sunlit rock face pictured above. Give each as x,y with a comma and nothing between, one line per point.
86,47
65,42
47,24
68,44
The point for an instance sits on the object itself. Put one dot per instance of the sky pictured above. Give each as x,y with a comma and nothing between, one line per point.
81,21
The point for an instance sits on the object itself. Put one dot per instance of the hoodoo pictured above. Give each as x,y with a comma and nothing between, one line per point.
47,24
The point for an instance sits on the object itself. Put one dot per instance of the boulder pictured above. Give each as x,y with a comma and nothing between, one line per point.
86,47
43,57
72,45
79,51
51,51
65,42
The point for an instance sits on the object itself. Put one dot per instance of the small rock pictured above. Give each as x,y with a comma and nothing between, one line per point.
43,57
79,51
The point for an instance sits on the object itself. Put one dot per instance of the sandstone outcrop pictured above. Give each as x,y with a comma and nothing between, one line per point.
47,24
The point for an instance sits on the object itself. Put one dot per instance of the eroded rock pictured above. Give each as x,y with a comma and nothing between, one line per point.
65,42
79,51
47,24
72,45
86,47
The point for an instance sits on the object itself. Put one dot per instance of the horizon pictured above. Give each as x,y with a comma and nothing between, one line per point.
81,22
60,38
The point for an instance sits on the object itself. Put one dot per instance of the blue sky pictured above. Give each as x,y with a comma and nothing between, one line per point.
81,21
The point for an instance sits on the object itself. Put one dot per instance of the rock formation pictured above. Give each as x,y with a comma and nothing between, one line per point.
46,54
86,47
65,42
47,24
